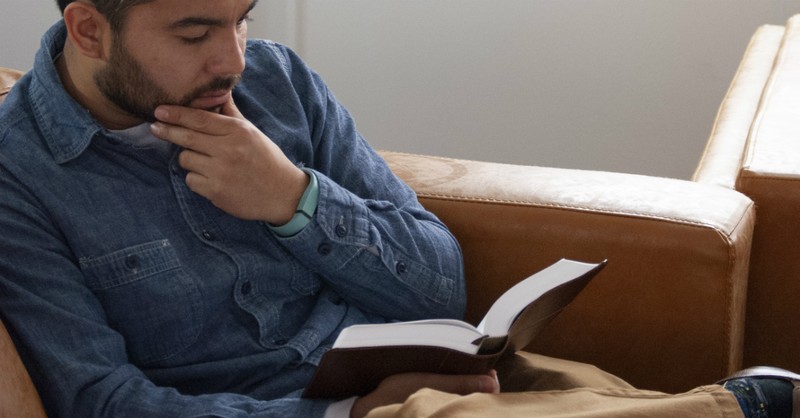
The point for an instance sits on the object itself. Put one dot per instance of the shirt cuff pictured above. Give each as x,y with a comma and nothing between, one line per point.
340,409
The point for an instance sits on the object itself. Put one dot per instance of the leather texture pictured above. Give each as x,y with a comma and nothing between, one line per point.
8,77
667,313
18,396
758,144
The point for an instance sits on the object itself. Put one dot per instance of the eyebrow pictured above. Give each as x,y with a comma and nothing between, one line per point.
206,21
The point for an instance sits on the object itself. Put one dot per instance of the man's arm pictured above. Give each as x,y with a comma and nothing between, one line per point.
370,239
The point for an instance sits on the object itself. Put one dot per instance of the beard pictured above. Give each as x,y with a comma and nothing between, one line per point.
126,84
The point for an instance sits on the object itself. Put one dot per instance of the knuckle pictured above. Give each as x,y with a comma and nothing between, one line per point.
186,139
200,121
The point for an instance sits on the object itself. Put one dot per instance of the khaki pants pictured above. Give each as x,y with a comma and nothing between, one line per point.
539,386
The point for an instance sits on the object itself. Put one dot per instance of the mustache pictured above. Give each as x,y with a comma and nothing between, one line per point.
219,83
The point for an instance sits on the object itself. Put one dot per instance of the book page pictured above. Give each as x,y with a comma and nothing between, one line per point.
505,310
447,333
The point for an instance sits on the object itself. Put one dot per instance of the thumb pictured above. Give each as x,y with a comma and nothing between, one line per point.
230,109
461,384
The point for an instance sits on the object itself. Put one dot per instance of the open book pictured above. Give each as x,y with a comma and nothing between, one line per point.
363,355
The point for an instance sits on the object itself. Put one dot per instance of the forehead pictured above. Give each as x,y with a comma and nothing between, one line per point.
166,14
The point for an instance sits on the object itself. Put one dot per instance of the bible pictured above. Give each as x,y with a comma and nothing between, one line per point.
363,355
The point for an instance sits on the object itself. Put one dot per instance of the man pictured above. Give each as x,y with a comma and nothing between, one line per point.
190,218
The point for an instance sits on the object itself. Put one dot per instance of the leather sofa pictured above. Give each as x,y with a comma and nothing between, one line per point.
667,313
755,149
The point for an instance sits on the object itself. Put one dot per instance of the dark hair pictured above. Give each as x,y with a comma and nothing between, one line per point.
114,10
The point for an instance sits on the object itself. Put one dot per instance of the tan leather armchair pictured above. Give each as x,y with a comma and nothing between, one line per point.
755,148
667,313
7,79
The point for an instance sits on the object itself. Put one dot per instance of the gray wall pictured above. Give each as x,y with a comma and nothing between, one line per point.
619,85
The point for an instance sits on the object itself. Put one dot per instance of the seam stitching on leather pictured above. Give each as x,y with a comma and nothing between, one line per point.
566,207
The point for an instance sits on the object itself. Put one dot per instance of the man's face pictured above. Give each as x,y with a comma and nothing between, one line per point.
186,52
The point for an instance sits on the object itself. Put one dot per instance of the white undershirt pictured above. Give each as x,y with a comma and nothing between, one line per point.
140,136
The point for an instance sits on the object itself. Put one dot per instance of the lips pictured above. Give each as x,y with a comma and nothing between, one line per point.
212,99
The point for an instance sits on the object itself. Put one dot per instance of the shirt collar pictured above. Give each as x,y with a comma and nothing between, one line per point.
67,127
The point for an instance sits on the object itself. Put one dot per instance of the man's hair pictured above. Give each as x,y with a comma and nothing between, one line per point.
113,10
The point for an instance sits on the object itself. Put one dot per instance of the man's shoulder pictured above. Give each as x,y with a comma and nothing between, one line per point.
266,51
262,54
20,134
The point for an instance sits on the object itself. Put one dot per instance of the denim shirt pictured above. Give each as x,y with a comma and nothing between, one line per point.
128,295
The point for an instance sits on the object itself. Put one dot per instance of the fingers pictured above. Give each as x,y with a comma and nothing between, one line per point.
230,109
198,120
191,128
178,135
198,184
458,384
463,384
196,162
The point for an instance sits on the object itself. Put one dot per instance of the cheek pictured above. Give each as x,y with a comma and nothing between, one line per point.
176,75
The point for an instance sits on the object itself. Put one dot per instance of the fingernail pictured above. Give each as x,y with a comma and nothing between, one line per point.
156,128
161,113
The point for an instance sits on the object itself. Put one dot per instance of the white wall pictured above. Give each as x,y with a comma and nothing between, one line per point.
620,85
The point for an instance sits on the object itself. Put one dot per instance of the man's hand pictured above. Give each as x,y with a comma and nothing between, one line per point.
397,388
231,163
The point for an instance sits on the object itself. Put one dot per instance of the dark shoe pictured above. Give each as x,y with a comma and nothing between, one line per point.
763,376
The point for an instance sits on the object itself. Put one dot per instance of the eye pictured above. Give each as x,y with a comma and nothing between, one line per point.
245,19
195,39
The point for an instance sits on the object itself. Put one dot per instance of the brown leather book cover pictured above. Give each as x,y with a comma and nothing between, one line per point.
346,372
356,371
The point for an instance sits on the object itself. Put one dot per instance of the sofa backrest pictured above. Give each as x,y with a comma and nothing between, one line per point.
754,148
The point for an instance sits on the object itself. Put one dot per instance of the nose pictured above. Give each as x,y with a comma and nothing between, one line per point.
227,58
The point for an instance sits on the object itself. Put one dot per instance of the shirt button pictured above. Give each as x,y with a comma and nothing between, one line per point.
400,267
208,236
132,262
247,287
324,248
341,231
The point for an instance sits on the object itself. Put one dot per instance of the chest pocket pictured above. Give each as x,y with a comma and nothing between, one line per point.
148,298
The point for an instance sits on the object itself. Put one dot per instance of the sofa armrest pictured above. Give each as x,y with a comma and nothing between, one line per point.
18,397
665,314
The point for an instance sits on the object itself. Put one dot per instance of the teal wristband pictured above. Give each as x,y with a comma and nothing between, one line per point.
305,208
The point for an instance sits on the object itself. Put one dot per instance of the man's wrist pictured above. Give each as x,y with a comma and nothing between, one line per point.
306,208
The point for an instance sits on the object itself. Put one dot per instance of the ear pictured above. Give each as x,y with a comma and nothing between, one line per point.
88,30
